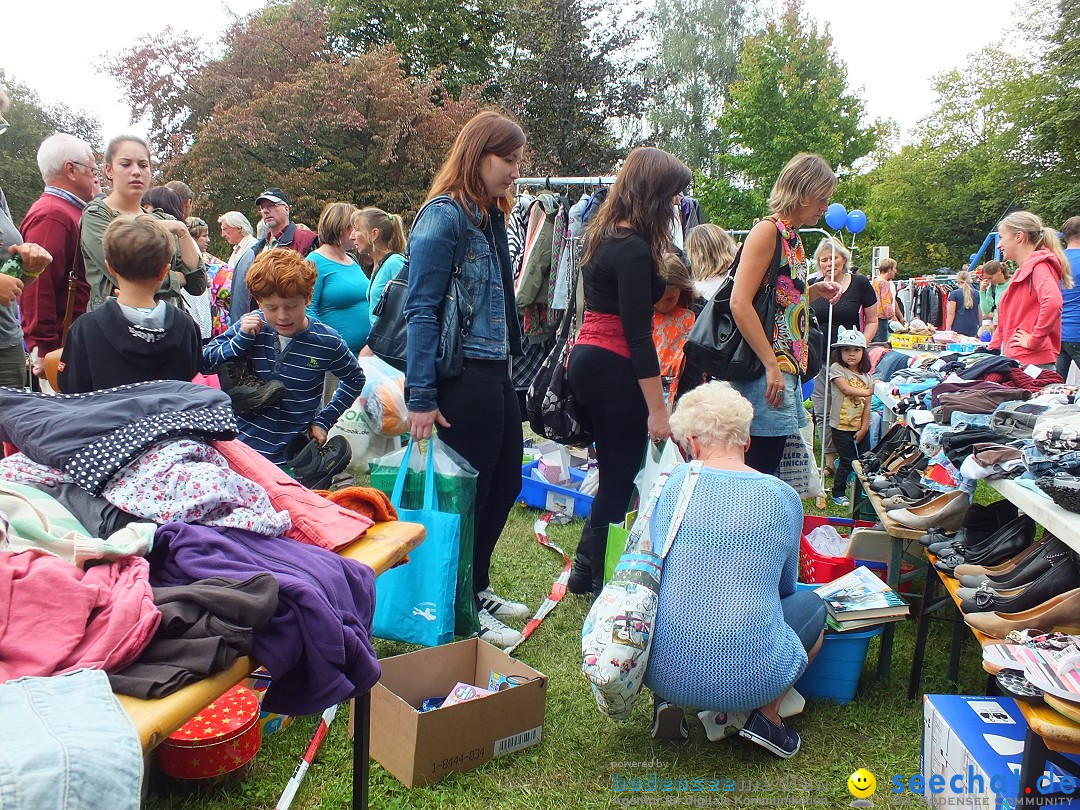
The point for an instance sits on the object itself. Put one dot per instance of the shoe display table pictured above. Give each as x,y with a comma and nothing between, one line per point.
1050,733
900,537
382,547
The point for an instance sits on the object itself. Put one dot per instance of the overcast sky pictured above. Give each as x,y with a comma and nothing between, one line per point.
892,49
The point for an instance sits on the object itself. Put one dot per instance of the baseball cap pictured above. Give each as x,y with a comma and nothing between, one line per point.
273,195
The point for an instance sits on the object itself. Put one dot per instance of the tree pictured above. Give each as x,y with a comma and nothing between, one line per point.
935,200
792,97
569,74
30,122
695,63
462,41
283,108
1056,129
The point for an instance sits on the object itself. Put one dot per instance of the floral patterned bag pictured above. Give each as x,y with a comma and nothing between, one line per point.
617,634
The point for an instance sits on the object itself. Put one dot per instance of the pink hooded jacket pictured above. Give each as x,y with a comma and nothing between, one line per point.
1032,302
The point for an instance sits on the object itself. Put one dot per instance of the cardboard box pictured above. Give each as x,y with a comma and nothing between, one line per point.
981,740
419,748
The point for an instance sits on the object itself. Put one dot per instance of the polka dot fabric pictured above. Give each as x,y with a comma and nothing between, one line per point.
92,436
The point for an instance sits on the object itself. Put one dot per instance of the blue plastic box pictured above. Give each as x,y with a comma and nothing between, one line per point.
834,674
552,498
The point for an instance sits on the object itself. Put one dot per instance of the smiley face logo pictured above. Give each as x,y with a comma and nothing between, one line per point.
861,784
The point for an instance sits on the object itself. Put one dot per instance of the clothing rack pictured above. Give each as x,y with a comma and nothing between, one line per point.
547,182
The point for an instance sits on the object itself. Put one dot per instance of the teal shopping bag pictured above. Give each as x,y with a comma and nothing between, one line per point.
415,602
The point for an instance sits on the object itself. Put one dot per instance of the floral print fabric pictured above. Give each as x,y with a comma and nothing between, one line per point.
187,481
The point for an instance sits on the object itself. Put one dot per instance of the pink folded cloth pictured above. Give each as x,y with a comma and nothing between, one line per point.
106,618
316,520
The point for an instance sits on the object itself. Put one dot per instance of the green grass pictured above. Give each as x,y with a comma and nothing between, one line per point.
572,767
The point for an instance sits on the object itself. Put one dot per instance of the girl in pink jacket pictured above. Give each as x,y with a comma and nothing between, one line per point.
1029,314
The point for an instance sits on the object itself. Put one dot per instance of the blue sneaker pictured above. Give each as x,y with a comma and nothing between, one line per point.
781,740
841,500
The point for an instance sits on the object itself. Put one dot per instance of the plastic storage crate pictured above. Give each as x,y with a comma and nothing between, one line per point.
902,340
964,348
551,497
834,673
818,568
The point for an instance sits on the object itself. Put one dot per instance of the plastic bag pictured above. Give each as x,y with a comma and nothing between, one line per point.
658,459
797,466
383,397
415,602
455,485
353,426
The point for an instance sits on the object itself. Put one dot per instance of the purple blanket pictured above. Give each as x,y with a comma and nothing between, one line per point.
317,646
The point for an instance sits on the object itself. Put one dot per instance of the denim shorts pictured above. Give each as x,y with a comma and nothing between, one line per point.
804,612
769,421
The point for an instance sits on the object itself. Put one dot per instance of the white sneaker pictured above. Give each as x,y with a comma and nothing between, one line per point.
719,725
495,632
502,608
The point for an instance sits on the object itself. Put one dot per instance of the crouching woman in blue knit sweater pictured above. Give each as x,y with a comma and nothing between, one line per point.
732,634
284,344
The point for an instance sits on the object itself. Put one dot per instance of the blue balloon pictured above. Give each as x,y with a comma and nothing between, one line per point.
836,216
856,221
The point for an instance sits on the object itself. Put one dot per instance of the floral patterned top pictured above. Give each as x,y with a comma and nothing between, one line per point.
791,330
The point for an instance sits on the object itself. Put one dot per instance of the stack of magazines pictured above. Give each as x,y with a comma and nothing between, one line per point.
860,599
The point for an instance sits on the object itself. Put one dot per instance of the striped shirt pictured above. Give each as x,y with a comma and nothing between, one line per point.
301,366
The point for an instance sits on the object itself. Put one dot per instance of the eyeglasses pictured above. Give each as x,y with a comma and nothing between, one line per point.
91,166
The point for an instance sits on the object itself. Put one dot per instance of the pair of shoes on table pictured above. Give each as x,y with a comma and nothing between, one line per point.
315,465
945,512
996,576
668,722
979,522
493,609
1061,612
1048,575
1006,542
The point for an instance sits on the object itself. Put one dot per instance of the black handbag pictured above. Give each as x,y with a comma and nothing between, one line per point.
388,338
715,344
549,402
815,345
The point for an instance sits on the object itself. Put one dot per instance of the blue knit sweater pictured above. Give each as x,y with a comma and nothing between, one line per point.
302,366
721,643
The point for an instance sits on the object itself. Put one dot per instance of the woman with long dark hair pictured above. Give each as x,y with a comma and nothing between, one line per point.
614,370
476,411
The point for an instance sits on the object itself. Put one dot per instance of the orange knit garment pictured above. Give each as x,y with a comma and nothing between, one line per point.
364,500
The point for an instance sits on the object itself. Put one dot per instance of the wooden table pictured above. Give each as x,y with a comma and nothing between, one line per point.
900,537
1050,734
382,547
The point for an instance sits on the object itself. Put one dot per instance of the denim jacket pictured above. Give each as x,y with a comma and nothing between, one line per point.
495,333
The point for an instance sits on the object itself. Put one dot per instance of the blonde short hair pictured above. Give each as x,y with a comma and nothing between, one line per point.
805,177
715,414
829,245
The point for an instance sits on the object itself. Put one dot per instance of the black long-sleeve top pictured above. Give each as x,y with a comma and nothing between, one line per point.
621,279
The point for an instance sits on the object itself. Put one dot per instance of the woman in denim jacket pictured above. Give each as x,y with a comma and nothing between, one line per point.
477,411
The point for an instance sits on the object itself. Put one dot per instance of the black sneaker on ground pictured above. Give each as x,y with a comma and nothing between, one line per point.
781,740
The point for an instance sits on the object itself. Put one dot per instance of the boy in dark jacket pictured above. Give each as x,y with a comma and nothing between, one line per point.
132,338
284,344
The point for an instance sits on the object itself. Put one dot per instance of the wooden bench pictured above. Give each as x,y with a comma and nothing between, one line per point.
382,547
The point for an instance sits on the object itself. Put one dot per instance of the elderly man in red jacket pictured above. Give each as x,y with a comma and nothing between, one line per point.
68,169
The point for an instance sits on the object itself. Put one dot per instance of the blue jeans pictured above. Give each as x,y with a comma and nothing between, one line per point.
804,612
69,745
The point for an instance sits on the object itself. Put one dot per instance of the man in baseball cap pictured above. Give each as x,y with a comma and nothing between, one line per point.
280,233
